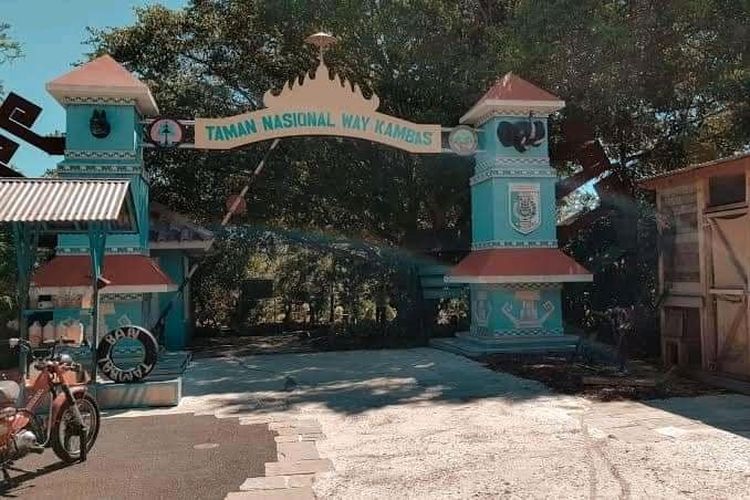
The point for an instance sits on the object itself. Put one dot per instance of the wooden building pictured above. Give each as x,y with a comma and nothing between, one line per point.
704,265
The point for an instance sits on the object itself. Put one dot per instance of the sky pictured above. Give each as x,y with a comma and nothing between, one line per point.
52,34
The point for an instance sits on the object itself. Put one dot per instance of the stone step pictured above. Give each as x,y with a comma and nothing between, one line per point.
295,467
478,349
291,431
301,450
304,493
169,364
277,482
521,340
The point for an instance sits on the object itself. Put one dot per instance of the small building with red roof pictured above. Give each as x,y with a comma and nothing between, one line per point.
147,256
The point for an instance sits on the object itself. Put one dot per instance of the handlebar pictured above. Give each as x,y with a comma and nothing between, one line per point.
17,342
64,359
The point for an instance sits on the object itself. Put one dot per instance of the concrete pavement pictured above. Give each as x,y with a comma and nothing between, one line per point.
423,423
171,456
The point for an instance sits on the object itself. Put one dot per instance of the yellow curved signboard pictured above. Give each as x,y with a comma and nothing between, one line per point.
316,107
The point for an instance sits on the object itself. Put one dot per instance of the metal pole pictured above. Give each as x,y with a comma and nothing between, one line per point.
224,221
97,245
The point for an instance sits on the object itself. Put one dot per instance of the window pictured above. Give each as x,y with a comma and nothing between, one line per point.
726,189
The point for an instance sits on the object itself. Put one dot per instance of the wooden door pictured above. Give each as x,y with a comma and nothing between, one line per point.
730,256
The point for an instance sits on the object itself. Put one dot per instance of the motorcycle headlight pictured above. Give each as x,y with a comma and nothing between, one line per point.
8,411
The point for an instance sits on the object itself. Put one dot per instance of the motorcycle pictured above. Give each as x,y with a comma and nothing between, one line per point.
73,419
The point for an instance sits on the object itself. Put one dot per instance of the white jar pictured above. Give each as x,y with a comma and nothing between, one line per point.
74,332
48,332
61,331
35,334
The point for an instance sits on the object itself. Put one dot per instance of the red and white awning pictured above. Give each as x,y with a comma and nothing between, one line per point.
125,273
518,265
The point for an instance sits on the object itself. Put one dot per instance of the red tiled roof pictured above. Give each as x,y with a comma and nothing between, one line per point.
101,72
517,265
103,78
131,271
514,88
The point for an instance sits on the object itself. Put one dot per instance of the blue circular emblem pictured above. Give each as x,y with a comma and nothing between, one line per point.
463,140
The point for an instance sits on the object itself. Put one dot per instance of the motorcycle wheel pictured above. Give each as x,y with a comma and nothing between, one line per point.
66,438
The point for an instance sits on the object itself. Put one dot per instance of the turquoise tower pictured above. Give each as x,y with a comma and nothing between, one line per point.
515,270
105,107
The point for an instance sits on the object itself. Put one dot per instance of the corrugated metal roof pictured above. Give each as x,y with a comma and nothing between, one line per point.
61,200
691,168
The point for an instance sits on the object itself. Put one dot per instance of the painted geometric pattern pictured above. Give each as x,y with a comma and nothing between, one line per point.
82,154
117,101
102,169
515,161
514,243
508,111
476,331
485,175
122,297
109,250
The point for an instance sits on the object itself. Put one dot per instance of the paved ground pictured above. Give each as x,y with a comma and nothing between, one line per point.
423,423
159,457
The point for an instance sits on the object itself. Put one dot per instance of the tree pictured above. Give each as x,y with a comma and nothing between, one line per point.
660,83
9,48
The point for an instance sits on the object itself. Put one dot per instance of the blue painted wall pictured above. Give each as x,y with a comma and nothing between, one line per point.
483,212
124,125
176,332
494,308
497,168
523,308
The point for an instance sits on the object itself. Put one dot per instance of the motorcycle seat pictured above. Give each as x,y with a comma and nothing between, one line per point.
9,391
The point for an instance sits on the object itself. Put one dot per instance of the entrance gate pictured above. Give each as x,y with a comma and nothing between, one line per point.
514,271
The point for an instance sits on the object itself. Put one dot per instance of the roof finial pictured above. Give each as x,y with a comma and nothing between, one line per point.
322,41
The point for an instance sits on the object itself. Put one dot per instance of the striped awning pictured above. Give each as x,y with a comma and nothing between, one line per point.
61,200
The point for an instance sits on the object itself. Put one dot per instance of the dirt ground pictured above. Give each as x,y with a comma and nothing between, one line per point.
642,380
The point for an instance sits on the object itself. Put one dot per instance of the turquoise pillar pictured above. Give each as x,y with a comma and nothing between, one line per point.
515,271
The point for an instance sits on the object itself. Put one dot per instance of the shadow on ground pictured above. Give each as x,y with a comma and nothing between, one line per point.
170,456
354,382
348,382
728,412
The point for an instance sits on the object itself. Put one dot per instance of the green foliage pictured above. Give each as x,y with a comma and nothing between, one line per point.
660,83
620,248
7,279
336,279
9,48
647,76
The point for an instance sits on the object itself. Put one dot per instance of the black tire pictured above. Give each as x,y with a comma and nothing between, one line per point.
63,432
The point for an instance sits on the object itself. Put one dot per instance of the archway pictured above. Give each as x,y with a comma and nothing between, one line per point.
514,270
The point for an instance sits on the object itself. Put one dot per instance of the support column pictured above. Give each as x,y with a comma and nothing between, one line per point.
26,241
515,270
